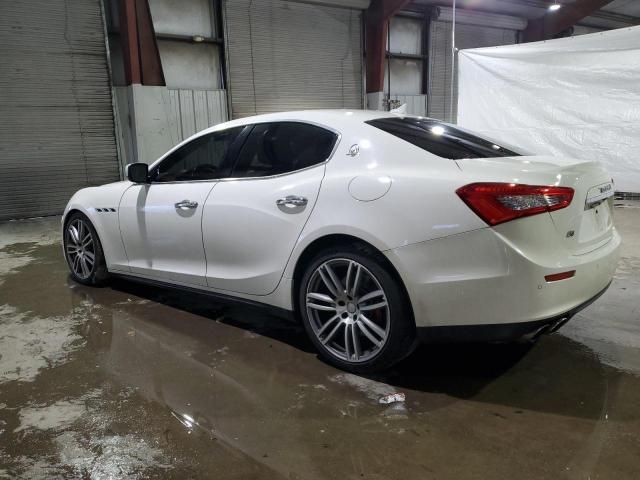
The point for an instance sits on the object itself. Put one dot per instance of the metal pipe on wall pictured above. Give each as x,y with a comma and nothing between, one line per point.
388,59
453,59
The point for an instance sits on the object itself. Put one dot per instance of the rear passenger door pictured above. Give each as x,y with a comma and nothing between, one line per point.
252,221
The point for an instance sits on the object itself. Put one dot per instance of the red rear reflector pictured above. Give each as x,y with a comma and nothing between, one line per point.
500,202
559,276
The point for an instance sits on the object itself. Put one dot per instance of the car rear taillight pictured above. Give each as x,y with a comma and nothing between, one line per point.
501,202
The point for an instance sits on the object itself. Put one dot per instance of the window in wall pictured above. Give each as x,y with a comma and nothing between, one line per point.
282,147
186,33
190,66
204,158
404,56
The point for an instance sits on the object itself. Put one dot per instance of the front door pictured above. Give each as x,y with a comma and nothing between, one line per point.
161,222
161,230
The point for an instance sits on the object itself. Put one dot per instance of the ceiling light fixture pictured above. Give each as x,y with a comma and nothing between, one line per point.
555,6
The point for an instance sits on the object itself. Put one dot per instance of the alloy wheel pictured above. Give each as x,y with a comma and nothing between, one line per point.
80,248
348,310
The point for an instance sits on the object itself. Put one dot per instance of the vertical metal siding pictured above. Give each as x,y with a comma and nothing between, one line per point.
195,110
416,104
56,127
467,36
284,55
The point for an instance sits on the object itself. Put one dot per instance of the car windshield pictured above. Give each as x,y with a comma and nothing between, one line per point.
442,139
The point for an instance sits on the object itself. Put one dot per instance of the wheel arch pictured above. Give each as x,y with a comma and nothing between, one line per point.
71,211
67,215
99,272
94,224
334,240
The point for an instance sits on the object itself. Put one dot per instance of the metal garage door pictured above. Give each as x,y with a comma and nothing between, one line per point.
56,127
285,55
467,36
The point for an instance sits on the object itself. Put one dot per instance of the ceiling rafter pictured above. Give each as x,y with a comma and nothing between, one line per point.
542,5
551,24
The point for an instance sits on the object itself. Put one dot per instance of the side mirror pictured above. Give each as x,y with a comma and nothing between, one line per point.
138,172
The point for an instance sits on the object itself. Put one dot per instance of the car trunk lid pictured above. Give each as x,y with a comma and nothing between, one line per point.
583,226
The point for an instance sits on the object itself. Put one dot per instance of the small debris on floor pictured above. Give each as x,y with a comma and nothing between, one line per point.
393,398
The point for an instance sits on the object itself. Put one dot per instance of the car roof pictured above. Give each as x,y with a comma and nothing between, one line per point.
335,118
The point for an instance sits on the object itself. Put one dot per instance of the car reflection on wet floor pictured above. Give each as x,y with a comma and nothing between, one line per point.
141,382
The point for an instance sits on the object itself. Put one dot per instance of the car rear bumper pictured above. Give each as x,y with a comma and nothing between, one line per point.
501,332
478,278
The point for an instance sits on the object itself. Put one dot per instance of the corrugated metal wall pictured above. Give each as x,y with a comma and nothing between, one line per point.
416,104
151,120
285,55
195,110
56,127
467,36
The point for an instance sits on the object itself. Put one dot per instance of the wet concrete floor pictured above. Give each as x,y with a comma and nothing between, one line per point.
129,381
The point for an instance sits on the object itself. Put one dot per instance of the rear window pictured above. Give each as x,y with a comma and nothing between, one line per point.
441,139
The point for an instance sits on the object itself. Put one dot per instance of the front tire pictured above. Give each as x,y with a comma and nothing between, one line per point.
83,251
355,311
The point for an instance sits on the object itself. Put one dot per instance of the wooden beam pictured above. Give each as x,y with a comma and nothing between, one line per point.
139,46
376,39
376,19
150,64
552,23
129,38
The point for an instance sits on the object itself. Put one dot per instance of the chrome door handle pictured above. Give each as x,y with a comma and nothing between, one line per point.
292,200
186,204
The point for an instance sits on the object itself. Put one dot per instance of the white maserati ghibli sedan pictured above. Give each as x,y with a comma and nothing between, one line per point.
376,230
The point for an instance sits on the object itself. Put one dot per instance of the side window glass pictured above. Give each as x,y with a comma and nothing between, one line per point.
282,147
205,158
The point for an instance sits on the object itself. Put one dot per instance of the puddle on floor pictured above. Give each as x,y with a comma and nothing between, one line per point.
129,381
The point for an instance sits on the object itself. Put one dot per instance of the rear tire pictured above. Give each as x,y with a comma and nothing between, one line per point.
83,251
355,311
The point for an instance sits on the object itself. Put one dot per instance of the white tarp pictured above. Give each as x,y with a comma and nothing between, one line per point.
576,96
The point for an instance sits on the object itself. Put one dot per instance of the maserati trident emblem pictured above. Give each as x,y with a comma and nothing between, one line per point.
354,150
